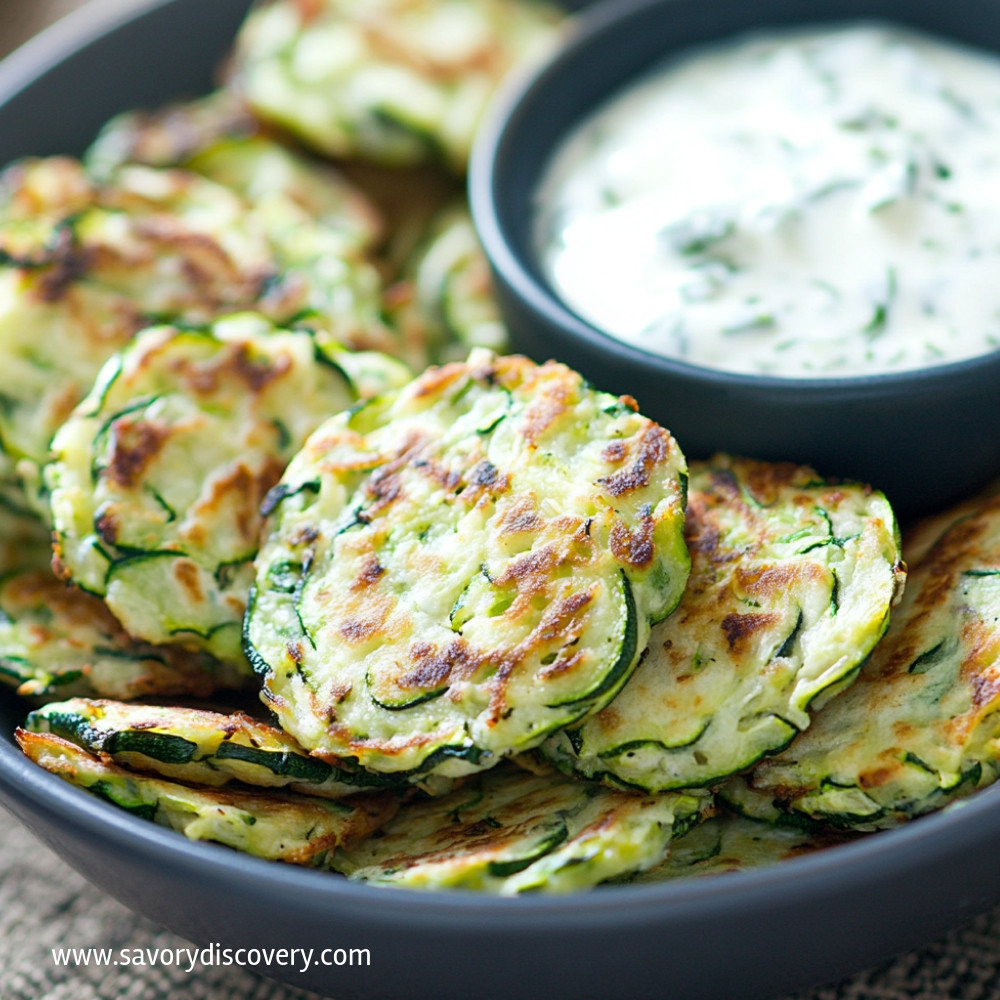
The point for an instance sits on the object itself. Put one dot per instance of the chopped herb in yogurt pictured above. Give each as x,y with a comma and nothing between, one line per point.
804,204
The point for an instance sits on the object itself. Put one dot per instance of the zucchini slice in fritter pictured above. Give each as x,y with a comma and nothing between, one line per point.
445,297
157,479
199,747
57,642
510,832
218,138
84,266
394,81
454,571
279,826
792,580
921,725
727,843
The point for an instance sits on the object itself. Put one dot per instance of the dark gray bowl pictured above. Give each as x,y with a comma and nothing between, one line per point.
926,437
745,936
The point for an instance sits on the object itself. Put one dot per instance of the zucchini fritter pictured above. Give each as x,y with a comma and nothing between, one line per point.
199,747
84,266
215,136
445,297
509,832
455,570
921,536
57,641
157,479
280,826
394,81
921,724
792,580
726,843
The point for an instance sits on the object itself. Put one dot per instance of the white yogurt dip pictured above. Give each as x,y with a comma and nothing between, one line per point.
806,205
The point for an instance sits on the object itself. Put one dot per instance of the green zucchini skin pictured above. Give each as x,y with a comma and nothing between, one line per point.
725,843
199,747
445,295
509,832
279,826
397,82
453,571
157,479
792,583
918,729
58,642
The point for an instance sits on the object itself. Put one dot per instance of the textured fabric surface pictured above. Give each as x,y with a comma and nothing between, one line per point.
44,905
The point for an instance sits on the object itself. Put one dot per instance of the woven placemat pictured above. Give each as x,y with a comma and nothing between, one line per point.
44,904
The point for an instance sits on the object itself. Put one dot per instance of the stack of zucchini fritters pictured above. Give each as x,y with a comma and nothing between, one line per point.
507,638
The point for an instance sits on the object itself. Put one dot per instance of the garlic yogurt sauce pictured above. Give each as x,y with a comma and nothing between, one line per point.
814,204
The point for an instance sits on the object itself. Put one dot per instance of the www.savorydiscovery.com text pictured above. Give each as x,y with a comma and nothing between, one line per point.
191,959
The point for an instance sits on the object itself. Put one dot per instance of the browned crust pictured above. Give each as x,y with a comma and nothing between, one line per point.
741,629
654,448
135,445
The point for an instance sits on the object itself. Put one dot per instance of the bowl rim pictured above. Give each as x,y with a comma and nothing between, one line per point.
63,38
497,140
927,839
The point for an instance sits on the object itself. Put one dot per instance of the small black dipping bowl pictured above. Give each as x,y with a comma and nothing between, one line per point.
926,437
